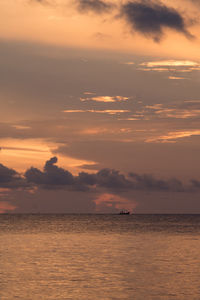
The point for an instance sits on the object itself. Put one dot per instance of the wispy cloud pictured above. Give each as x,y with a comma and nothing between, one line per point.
176,78
105,99
181,110
105,111
21,127
170,65
95,6
173,136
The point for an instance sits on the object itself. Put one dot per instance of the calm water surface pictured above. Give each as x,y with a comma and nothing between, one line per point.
99,257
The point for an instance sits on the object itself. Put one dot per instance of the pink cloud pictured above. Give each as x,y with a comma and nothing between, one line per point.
5,207
109,202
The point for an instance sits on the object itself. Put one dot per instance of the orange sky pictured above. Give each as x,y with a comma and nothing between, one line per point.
61,23
99,86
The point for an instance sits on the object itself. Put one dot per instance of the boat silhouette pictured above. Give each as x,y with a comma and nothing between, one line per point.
124,212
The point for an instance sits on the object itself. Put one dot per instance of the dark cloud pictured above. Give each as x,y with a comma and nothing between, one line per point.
6,174
148,182
86,179
51,176
112,179
195,183
96,6
9,178
54,177
150,18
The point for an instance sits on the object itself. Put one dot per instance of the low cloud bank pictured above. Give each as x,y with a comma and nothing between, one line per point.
9,178
54,177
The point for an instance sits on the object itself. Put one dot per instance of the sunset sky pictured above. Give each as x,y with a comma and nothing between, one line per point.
100,106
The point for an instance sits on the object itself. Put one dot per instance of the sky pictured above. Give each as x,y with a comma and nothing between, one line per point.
100,106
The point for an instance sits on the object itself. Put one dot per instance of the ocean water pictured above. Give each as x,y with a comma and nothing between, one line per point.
99,257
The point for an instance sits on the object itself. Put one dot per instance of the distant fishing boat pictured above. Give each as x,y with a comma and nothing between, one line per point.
124,212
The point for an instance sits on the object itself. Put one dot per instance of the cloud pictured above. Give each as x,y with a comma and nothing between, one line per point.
96,6
150,18
182,110
6,207
171,63
21,127
54,177
105,99
105,111
51,176
107,202
9,178
181,66
112,179
148,182
176,78
173,136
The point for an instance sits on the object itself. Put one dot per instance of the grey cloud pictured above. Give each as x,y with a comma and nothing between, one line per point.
6,174
195,183
51,176
9,178
96,6
85,178
150,18
55,177
148,182
113,179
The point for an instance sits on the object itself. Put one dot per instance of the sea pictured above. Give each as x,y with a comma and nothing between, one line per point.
71,256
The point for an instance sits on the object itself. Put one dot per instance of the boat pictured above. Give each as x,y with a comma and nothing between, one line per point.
124,212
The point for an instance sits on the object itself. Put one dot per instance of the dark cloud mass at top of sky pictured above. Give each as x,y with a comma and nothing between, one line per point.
96,6
147,17
54,177
150,18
